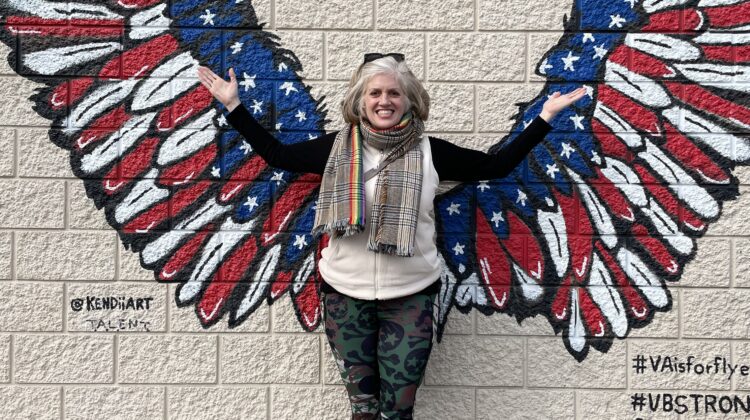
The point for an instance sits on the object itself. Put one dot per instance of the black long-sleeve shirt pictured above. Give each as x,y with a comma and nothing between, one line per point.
452,163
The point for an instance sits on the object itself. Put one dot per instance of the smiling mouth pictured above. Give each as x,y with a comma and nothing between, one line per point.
384,112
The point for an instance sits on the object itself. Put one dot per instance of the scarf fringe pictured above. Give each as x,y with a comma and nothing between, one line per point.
339,228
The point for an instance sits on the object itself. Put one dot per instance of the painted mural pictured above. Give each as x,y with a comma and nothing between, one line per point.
588,232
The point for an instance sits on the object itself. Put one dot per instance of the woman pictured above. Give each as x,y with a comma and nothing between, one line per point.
380,174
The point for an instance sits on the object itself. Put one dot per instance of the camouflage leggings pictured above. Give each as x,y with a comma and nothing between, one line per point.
381,348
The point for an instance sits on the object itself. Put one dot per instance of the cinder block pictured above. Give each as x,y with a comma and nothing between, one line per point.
486,57
539,44
525,404
185,320
308,47
714,313
130,403
121,307
278,359
167,359
187,403
7,152
449,15
26,307
711,267
39,157
47,198
63,359
285,318
6,255
82,213
616,405
346,51
444,403
522,15
475,361
130,266
551,366
31,403
65,255
310,403
327,14
451,107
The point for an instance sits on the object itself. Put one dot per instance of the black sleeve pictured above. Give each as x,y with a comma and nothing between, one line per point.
306,157
455,163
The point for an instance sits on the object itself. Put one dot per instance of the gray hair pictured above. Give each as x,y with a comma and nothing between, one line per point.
416,98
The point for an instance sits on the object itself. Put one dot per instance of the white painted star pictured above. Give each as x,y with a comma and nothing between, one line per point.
544,66
288,87
278,126
599,51
245,147
453,208
589,91
497,218
551,170
300,115
577,121
459,249
596,158
236,47
310,136
208,18
299,241
252,202
566,150
526,124
631,2
256,106
278,177
483,186
282,67
248,82
222,120
588,36
521,198
569,61
616,20
238,1
215,172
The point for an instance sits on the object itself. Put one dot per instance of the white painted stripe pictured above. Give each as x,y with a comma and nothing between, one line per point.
185,142
118,144
167,82
607,297
144,194
698,128
643,90
663,46
648,283
157,23
54,60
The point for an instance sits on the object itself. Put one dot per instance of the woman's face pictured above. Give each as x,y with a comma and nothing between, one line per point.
384,101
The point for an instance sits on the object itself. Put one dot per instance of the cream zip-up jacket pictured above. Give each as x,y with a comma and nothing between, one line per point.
347,265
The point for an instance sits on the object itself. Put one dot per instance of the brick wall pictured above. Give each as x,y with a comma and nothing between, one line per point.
478,59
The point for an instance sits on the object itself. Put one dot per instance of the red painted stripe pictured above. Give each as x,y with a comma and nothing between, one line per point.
728,16
307,305
561,304
612,195
183,256
189,169
68,92
139,61
638,116
241,179
611,144
646,65
137,4
288,204
691,156
136,162
494,267
666,198
181,110
281,284
595,322
658,252
668,21
230,272
727,53
637,306
160,212
522,246
578,232
78,28
102,128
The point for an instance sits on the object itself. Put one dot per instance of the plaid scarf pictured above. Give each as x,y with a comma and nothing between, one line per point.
341,200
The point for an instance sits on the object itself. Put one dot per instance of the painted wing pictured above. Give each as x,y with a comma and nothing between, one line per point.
154,150
589,230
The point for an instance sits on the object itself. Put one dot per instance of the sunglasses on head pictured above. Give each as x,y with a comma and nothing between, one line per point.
374,56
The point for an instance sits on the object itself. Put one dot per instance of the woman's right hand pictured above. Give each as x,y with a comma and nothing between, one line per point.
225,92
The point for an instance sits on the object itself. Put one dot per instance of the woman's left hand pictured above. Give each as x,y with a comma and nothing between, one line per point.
558,102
